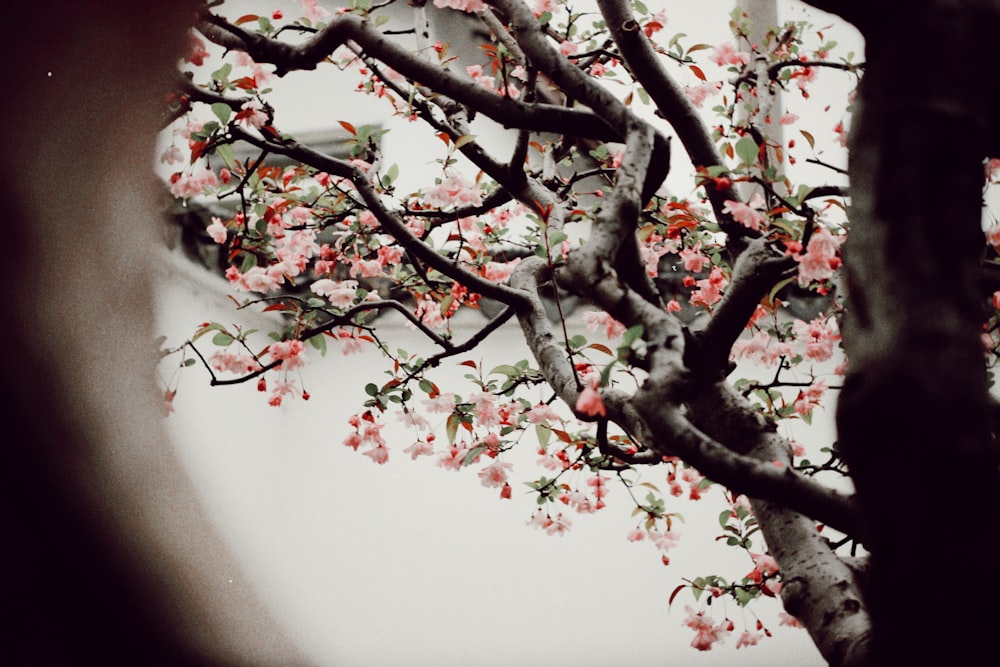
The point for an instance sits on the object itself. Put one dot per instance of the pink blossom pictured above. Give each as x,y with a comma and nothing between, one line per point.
544,6
820,258
495,474
256,279
841,133
226,360
412,419
810,398
693,260
453,458
461,5
596,319
819,336
709,290
568,48
313,12
486,408
217,231
441,404
747,215
600,486
252,114
636,535
429,312
589,403
340,293
185,186
499,272
726,54
993,236
761,348
288,352
172,155
698,94
708,632
788,118
557,526
784,618
419,448
749,639
365,268
454,190
541,414
664,541
378,454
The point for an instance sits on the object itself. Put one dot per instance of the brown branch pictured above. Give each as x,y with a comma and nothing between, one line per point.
671,103
347,27
389,220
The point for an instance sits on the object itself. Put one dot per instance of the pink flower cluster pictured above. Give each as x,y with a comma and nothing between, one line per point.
708,632
749,215
819,261
819,335
367,432
558,525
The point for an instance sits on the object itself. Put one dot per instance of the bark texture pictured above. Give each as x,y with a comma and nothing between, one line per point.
913,418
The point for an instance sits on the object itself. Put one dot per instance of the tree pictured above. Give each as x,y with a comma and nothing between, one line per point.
331,242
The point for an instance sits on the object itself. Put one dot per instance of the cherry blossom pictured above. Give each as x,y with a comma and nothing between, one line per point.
820,260
461,5
748,215
589,403
595,319
726,54
709,290
340,293
708,631
217,231
495,474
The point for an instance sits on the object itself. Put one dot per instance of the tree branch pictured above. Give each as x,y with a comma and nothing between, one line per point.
510,113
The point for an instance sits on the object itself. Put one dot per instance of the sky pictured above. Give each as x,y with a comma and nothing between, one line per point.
409,564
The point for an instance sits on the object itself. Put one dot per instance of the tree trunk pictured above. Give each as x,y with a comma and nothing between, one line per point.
914,415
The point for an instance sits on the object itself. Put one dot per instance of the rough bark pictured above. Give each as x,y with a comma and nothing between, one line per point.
913,418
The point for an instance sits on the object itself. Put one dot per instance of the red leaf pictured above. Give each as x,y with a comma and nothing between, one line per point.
677,590
246,18
246,83
278,306
562,435
347,126
697,72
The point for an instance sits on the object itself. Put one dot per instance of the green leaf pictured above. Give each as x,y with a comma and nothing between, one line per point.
391,174
228,155
222,339
222,111
319,342
747,150
505,369
724,517
472,454
222,74
451,427
371,389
